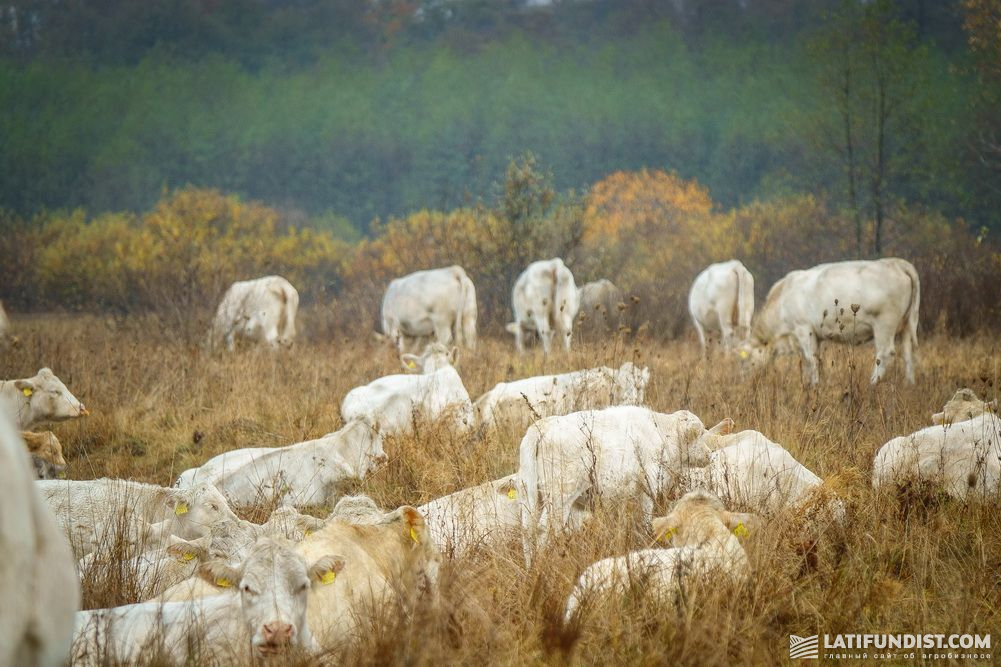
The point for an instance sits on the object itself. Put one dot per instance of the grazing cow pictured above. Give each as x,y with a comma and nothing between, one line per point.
389,562
545,302
962,458
39,590
46,454
849,302
39,399
703,547
522,401
746,469
722,300
964,404
623,452
393,402
439,303
480,516
97,514
262,614
306,473
600,307
261,310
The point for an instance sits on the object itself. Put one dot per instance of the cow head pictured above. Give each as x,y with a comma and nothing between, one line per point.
752,353
434,357
48,399
46,454
199,510
699,517
964,404
274,584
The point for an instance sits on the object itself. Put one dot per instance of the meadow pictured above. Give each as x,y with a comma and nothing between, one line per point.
910,562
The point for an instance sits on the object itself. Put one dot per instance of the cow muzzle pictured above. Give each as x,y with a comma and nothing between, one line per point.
277,637
83,410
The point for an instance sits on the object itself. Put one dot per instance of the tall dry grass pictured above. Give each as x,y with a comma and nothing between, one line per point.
916,564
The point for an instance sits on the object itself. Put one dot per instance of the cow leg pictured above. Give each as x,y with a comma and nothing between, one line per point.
726,332
883,340
702,336
519,338
907,350
443,334
808,346
566,339
545,335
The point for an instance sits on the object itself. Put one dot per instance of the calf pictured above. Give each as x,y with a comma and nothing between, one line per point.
702,548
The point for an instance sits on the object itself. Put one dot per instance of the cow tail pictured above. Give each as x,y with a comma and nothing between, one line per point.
915,303
735,311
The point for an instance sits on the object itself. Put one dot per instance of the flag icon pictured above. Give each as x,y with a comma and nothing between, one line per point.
802,647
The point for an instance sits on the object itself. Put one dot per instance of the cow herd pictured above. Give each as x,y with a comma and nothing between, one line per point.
214,586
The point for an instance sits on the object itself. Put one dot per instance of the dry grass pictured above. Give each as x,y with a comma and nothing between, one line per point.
913,564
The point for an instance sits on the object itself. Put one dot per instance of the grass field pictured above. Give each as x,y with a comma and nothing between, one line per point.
903,564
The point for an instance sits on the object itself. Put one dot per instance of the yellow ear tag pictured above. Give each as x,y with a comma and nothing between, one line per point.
666,537
740,530
413,535
182,508
411,364
223,582
61,475
27,391
743,354
512,494
307,532
328,578
187,556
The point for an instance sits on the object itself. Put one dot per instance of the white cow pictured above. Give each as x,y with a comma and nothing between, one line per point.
480,516
962,458
97,514
391,403
523,401
545,301
850,302
746,469
600,306
39,399
262,613
703,547
439,303
623,452
261,310
39,590
722,300
306,473
152,571
964,404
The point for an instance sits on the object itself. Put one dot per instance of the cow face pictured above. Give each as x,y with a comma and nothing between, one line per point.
434,357
700,516
199,510
49,399
274,584
752,354
964,404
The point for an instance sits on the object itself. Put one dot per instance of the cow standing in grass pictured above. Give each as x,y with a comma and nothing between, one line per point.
438,303
261,310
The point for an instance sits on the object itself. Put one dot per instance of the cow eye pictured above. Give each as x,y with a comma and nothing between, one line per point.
214,507
304,586
248,590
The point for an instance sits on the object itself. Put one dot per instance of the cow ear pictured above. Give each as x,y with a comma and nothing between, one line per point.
178,500
453,355
723,428
938,418
740,524
185,552
663,529
220,573
509,489
409,362
413,523
26,387
325,570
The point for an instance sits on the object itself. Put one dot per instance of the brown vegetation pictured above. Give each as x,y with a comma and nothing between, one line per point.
911,563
